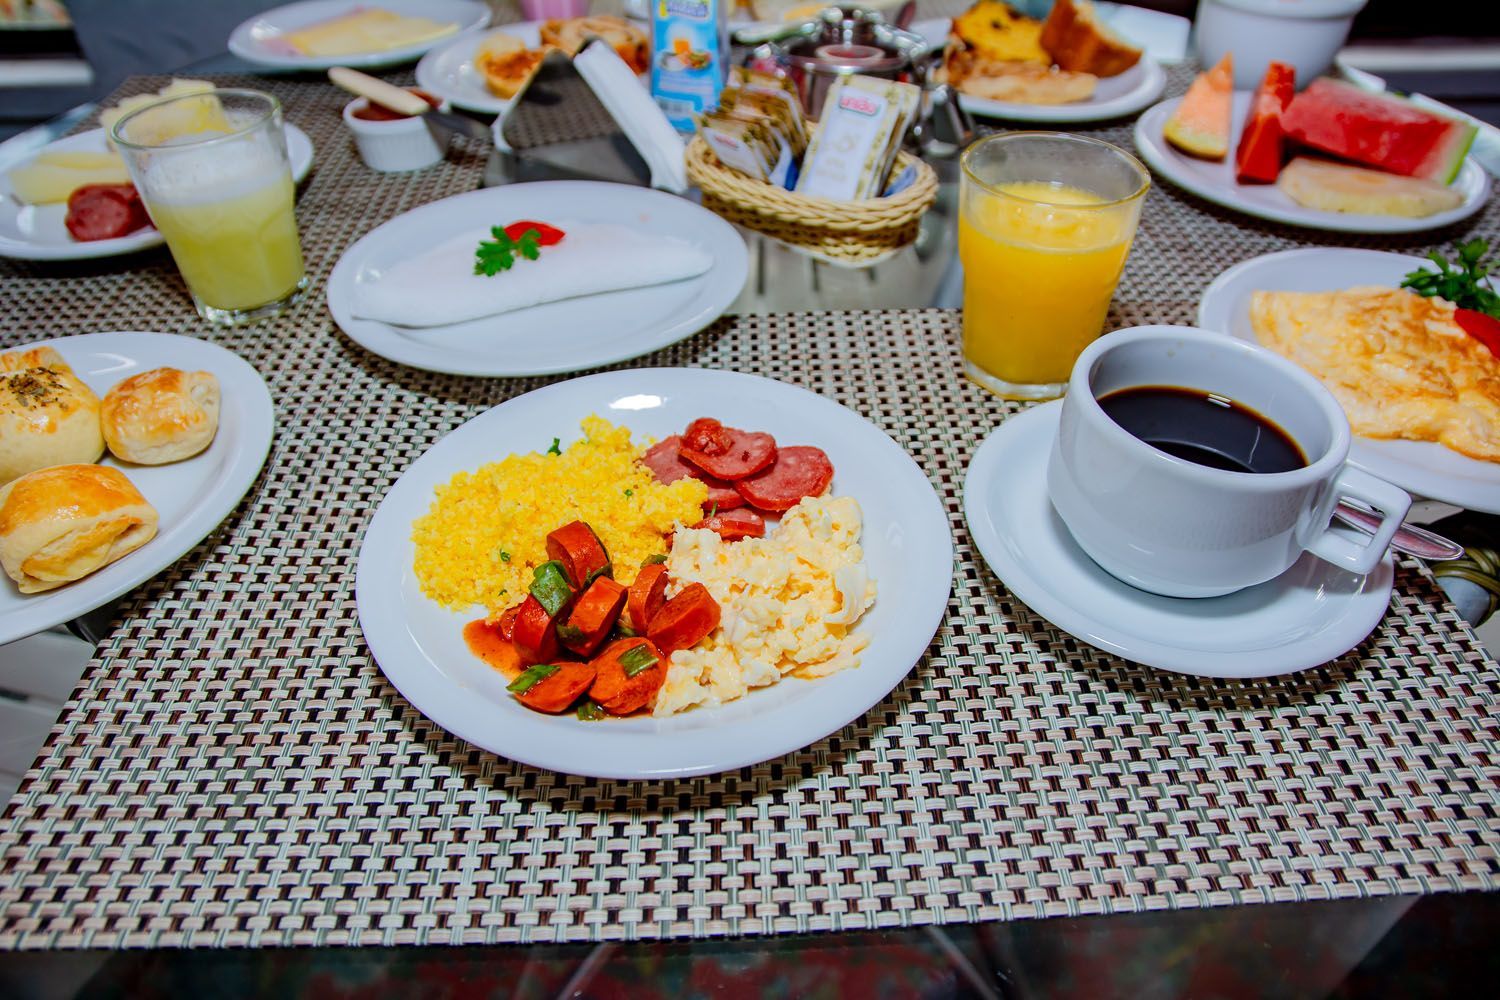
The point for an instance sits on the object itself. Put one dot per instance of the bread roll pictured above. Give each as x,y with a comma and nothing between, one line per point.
60,524
47,415
163,415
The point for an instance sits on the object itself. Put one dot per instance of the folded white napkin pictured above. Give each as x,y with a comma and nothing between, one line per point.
637,114
440,287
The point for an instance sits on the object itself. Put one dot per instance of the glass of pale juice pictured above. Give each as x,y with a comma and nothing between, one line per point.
1045,224
212,170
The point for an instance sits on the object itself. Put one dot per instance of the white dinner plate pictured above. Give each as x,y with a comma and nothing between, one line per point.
1424,468
1214,181
191,497
258,39
37,232
1114,96
1309,615
907,547
565,336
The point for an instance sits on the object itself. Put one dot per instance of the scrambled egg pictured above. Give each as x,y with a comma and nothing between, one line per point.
487,529
788,604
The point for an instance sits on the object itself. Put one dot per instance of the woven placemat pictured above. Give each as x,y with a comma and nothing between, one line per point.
235,770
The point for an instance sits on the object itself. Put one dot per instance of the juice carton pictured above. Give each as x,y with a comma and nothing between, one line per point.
689,53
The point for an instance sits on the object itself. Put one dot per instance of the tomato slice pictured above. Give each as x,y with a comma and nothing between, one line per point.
546,235
1481,326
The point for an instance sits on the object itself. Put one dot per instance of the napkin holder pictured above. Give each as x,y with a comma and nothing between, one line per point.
586,117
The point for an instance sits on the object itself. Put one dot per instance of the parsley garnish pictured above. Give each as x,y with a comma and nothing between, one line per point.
630,493
555,450
1464,285
504,556
493,256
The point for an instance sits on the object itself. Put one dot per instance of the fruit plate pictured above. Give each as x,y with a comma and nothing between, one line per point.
1215,182
1423,468
907,545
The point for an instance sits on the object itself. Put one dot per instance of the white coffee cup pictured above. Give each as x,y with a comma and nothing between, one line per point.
1305,34
1174,527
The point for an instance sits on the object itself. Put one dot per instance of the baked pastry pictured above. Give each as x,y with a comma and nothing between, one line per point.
60,524
160,416
1398,363
1017,82
506,63
1077,41
996,32
570,34
47,415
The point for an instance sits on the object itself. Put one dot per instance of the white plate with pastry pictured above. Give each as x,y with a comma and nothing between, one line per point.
79,526
638,270
319,34
1424,468
1213,180
39,232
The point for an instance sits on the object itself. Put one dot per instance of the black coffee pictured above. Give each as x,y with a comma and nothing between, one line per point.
1204,428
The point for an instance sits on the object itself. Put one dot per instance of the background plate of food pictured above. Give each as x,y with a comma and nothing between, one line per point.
1297,188
1324,308
483,70
893,528
319,34
190,495
1068,67
40,232
632,271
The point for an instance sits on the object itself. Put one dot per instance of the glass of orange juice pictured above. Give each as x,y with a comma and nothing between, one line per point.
212,170
1045,224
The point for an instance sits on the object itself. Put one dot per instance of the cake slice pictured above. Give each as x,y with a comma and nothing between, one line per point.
1079,42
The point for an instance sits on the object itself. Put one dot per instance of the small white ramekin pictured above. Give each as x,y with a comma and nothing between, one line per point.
392,146
1306,34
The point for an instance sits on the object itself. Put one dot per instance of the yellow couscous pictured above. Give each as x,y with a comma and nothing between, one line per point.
487,530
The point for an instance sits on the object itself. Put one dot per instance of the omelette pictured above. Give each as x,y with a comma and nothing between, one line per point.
1397,362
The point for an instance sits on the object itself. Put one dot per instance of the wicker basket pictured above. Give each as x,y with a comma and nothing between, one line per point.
851,233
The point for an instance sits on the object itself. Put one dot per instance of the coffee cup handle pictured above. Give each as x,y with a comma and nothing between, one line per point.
1390,502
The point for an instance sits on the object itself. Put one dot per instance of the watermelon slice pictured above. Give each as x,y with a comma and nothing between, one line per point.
1378,130
1200,125
1262,146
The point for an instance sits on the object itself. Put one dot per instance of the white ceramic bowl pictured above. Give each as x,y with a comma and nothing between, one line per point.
1304,33
391,146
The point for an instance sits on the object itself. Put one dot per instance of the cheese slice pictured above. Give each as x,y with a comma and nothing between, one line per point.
52,177
372,30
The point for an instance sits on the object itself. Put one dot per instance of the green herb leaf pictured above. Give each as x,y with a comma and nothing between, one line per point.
549,585
630,493
555,450
624,628
504,556
589,711
531,676
637,659
660,557
530,244
1465,285
569,633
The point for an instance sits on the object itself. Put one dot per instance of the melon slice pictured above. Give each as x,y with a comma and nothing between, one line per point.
52,177
1343,187
1200,125
1258,158
1378,130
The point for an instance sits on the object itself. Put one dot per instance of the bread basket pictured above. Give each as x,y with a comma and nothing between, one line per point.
850,233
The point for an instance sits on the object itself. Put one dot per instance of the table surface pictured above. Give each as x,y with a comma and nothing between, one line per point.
234,770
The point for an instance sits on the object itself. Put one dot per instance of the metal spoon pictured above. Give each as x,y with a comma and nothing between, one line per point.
1409,538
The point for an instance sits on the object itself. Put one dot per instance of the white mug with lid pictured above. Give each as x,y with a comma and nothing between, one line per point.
1174,527
1306,34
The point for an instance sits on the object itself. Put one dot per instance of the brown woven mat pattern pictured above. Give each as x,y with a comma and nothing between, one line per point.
235,770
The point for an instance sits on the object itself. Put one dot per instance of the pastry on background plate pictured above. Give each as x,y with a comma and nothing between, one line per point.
160,416
506,63
1076,40
47,415
60,524
570,35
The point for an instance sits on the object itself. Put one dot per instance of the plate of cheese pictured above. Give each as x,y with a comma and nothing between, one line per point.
763,684
1422,395
319,34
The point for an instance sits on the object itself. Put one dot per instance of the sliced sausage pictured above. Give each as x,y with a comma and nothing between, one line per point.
647,594
581,553
707,436
751,452
721,495
800,471
593,616
105,212
665,461
685,619
535,633
732,525
618,693
555,692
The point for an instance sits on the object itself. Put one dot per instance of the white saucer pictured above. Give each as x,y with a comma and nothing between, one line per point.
1309,615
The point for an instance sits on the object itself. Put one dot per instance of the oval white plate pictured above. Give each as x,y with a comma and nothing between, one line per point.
1114,96
1424,468
565,336
1309,615
255,39
906,542
37,232
1215,182
191,497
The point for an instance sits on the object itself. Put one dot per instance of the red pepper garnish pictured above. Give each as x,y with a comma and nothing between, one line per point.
546,235
1481,326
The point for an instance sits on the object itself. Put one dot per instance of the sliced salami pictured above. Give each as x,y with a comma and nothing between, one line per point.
105,212
708,436
799,471
665,462
750,452
733,525
721,495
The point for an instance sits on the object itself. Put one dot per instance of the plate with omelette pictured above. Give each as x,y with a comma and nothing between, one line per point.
319,34
820,617
1422,395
